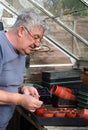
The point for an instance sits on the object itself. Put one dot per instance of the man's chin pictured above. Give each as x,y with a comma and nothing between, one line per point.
27,53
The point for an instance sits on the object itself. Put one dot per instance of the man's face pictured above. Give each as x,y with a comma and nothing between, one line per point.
29,40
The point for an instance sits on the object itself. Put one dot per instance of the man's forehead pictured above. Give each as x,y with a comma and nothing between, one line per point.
37,30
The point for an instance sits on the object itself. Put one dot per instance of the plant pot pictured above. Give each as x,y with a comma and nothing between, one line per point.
40,111
78,112
48,114
84,114
66,110
62,92
71,114
60,114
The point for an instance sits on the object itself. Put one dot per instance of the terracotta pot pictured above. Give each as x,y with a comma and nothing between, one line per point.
71,114
60,109
84,114
55,89
78,112
60,114
62,93
40,111
68,89
48,114
52,111
67,110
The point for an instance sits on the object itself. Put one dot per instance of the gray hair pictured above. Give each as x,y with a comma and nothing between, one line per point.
29,19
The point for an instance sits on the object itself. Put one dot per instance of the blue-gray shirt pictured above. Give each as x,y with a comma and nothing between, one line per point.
12,67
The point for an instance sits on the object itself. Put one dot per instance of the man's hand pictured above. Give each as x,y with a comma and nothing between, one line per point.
29,102
30,91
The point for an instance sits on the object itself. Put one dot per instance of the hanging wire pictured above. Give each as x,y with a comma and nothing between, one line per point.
42,48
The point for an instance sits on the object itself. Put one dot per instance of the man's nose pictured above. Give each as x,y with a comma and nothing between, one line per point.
38,42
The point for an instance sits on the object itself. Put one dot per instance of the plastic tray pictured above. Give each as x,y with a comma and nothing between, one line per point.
82,99
62,121
82,105
45,95
59,102
83,102
71,78
61,74
55,121
83,94
71,84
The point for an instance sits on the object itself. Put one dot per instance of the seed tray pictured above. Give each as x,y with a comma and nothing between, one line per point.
71,78
82,105
59,102
83,94
45,95
65,121
44,91
71,84
59,75
82,99
54,121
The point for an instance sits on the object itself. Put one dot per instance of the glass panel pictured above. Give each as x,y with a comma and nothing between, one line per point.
73,14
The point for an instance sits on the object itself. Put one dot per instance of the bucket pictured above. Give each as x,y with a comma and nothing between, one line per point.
62,92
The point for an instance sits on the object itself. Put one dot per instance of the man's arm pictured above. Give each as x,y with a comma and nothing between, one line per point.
27,101
9,98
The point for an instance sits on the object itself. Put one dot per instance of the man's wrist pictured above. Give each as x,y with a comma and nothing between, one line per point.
20,89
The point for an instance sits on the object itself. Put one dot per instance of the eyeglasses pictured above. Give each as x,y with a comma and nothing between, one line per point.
35,37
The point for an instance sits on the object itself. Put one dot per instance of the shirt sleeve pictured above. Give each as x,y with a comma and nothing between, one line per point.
1,61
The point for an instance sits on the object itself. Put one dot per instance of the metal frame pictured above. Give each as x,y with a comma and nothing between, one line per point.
58,21
14,12
9,8
85,2
58,45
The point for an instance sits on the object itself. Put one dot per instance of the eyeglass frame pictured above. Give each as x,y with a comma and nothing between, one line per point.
35,37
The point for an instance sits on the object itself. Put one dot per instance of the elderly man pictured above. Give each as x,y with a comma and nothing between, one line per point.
26,34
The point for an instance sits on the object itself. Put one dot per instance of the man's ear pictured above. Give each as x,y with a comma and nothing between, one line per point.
21,31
